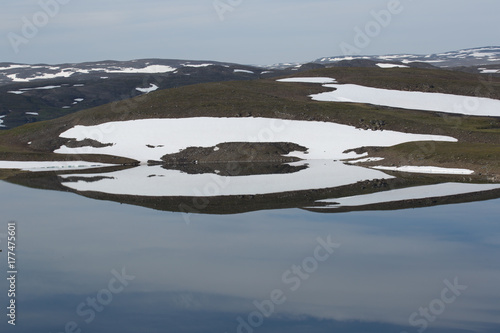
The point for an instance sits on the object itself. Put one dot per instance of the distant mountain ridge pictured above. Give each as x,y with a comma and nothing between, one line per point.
489,55
30,93
10,72
13,72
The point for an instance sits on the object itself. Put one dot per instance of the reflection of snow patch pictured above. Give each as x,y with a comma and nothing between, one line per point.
43,166
368,159
427,169
411,193
135,181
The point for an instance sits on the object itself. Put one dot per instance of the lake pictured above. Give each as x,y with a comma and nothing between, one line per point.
87,265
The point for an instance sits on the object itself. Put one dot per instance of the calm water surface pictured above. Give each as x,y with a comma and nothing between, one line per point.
95,266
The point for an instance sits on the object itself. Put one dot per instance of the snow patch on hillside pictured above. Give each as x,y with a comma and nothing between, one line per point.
14,67
413,100
23,90
43,76
151,69
197,65
42,88
321,80
151,88
385,65
323,139
488,71
69,71
243,71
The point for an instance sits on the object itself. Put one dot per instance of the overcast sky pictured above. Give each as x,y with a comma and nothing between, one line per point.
242,31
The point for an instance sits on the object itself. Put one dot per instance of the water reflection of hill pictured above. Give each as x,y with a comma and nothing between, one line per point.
317,185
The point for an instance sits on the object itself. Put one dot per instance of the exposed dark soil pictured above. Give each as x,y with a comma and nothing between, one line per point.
72,143
236,152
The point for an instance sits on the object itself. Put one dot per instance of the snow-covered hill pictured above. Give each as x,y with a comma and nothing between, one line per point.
30,93
10,72
462,58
